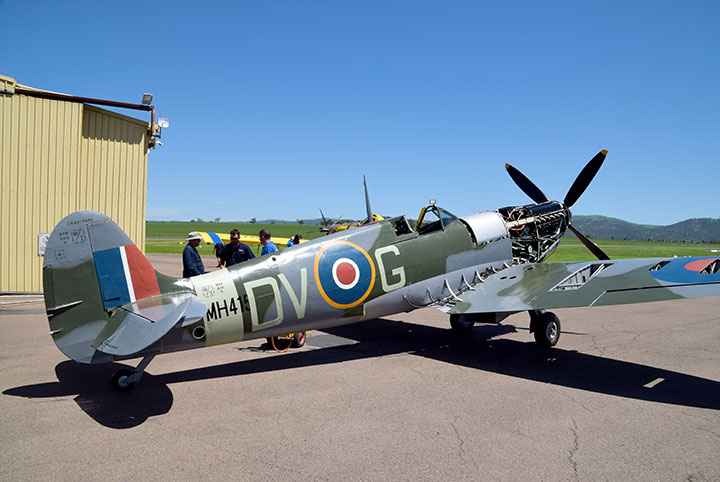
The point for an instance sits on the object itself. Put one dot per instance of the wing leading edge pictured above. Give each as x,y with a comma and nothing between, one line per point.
592,283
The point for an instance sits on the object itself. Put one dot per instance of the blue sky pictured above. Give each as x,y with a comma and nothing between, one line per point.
278,108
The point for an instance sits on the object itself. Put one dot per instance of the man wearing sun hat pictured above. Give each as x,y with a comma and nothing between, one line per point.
192,263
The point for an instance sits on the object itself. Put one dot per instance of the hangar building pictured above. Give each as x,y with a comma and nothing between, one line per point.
59,154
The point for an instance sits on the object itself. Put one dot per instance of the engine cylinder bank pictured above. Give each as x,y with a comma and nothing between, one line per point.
535,229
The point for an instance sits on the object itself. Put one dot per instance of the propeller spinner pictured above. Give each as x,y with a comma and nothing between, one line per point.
578,187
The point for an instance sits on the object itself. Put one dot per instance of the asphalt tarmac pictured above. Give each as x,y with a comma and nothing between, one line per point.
630,393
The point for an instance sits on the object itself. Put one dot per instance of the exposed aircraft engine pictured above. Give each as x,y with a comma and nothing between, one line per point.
535,229
544,245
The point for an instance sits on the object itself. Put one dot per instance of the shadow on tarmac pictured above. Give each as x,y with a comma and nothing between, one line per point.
375,338
91,386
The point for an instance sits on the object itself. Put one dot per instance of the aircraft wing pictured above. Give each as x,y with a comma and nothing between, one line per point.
212,238
136,326
590,283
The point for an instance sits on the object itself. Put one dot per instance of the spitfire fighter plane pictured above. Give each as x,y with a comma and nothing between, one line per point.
105,302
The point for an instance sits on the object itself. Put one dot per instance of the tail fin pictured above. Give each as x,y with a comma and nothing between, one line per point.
91,268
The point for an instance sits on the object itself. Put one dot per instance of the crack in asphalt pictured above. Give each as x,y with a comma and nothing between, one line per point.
461,447
575,447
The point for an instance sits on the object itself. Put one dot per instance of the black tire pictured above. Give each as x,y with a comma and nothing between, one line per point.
461,324
278,344
299,339
118,381
547,330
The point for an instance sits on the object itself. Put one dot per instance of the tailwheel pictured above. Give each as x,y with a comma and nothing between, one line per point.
461,324
545,325
123,380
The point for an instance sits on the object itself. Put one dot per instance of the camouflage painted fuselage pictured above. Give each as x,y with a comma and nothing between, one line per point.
342,278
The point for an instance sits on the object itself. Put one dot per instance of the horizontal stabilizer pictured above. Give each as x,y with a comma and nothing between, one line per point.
592,283
143,323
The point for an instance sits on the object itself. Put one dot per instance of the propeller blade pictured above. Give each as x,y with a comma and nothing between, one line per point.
584,178
526,185
367,201
323,218
594,249
336,222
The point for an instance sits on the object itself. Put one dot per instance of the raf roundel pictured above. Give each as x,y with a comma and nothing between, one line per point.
344,274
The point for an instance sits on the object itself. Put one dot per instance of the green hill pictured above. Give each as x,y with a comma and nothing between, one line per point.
696,230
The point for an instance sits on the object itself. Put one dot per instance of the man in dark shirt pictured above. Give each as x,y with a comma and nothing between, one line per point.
192,263
235,252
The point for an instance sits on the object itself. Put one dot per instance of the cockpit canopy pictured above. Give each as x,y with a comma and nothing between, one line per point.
433,218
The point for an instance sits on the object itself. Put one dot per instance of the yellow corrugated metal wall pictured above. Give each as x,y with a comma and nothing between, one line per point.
112,174
58,157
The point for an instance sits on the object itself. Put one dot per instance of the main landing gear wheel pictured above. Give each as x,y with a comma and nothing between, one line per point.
461,324
299,339
123,380
293,340
546,328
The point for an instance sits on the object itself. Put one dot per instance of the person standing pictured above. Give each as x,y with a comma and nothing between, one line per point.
294,240
192,263
235,252
217,249
268,246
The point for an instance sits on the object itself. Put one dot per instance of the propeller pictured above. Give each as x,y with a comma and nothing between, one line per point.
326,228
594,248
582,181
526,185
367,202
336,222
323,218
584,178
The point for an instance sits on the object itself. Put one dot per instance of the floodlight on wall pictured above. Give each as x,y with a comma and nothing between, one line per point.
163,122
147,99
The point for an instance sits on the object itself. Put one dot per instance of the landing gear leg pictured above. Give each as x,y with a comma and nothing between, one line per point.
124,380
545,325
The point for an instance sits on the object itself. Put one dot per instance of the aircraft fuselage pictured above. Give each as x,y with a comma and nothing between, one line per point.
342,278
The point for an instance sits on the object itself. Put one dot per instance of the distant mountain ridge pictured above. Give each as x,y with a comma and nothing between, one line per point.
696,230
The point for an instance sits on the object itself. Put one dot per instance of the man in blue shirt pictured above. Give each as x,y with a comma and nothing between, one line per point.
294,240
192,263
268,246
235,252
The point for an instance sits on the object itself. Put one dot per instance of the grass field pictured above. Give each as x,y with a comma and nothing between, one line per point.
180,230
580,253
571,249
171,235
167,237
630,243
